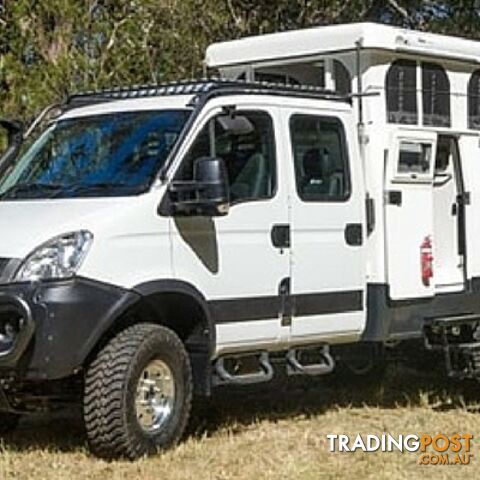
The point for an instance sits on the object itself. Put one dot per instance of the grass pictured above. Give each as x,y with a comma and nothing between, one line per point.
269,432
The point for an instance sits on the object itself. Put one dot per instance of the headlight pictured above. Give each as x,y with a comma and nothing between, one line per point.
60,257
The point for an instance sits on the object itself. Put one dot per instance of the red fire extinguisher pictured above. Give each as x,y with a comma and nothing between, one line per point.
426,259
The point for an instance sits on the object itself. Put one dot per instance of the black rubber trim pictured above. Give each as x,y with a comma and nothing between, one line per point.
270,307
245,309
325,303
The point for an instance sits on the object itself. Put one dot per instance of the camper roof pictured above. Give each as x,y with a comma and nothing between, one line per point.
339,38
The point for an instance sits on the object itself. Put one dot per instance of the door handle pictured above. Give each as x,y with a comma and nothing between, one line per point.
394,197
280,236
354,234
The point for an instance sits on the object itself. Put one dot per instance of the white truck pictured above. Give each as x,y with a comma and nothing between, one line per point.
158,241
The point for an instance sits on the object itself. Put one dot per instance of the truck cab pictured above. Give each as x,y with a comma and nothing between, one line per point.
181,236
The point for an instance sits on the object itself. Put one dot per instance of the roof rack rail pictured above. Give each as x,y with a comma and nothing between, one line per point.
201,87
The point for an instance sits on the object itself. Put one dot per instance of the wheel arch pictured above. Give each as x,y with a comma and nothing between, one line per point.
177,305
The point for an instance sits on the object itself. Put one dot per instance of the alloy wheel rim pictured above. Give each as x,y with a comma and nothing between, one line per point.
155,396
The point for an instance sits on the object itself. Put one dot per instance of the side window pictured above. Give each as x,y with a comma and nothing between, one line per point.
474,101
246,142
320,156
436,95
401,90
414,159
343,80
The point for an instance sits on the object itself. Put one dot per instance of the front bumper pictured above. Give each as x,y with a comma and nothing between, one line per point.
15,310
59,323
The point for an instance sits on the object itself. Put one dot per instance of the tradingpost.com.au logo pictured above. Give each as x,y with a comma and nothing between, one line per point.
438,449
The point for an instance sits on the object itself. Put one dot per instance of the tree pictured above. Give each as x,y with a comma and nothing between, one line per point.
49,48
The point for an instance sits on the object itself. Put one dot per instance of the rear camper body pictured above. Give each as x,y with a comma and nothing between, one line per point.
417,102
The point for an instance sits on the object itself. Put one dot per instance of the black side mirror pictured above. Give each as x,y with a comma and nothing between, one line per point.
14,131
208,193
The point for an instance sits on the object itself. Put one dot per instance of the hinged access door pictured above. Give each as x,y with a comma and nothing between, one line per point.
450,201
408,200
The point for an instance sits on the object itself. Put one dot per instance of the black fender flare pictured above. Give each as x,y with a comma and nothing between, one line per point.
179,286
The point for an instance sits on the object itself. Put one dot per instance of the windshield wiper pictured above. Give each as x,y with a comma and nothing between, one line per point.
100,187
70,190
31,188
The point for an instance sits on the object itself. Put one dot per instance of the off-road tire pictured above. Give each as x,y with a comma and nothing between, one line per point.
109,399
370,370
8,422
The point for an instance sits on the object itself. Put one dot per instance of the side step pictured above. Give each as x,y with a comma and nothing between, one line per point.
255,367
323,361
224,374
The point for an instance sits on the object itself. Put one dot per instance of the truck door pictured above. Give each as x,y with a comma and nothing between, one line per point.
328,228
448,216
240,262
409,215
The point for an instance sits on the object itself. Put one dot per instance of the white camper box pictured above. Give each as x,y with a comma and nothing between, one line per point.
418,108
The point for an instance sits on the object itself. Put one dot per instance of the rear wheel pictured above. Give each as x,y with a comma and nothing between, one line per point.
363,361
138,393
8,422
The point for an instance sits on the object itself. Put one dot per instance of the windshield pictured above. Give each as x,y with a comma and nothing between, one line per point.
104,155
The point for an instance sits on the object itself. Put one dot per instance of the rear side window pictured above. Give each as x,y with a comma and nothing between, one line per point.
321,159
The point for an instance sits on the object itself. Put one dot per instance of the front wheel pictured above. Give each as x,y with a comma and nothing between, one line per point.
138,393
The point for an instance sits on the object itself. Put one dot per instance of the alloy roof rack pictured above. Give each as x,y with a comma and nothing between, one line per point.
200,88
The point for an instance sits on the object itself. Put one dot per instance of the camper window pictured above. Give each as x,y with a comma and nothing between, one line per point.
401,91
436,95
414,159
343,80
474,101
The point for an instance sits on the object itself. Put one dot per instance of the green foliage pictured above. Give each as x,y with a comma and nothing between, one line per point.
51,47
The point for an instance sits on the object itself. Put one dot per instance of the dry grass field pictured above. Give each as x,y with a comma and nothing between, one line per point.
274,432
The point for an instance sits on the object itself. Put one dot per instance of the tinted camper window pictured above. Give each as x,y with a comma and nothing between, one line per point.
343,80
414,158
474,101
401,90
436,95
